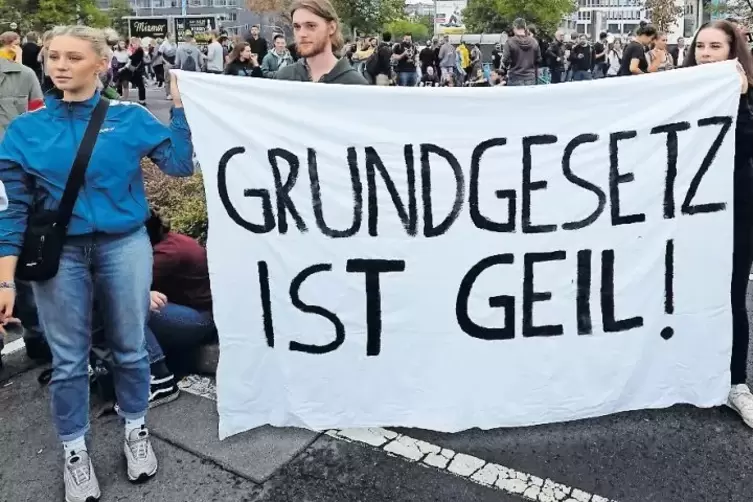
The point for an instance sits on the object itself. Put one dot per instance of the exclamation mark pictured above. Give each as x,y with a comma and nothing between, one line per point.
669,285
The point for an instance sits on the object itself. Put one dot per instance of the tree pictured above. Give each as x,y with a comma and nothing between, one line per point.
61,12
368,16
742,9
21,12
280,8
428,21
483,16
663,13
496,15
118,10
402,26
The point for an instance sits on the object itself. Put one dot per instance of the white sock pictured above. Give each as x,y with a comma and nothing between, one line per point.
74,446
133,424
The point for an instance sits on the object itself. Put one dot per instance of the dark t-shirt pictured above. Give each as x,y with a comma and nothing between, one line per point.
137,59
599,48
258,46
496,59
427,57
406,64
633,50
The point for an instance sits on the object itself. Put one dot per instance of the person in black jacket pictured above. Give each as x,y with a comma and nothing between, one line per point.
717,41
258,44
581,60
555,58
243,62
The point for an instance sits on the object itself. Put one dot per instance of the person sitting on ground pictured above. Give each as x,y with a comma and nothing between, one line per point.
496,78
429,78
479,80
181,305
243,62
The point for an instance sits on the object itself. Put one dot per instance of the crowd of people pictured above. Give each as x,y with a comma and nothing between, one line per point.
120,267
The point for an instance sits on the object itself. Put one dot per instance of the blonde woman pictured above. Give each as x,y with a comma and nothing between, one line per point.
659,59
106,252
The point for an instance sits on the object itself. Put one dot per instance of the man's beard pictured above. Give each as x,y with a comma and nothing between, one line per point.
315,48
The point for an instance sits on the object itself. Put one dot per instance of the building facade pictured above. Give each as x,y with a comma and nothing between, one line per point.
622,17
233,16
420,9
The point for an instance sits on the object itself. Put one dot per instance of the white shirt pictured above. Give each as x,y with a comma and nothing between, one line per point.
680,57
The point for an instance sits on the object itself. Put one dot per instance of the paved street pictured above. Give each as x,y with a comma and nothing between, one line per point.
682,454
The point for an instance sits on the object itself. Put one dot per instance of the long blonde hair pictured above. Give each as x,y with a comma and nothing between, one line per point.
325,10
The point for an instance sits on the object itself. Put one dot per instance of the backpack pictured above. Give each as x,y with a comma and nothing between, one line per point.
189,64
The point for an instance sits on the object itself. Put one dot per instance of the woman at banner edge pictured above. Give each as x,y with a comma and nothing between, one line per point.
719,41
109,255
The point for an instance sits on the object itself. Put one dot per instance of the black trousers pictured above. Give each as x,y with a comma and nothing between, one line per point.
159,73
742,257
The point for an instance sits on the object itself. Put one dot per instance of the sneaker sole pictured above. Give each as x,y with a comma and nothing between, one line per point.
164,400
734,408
142,478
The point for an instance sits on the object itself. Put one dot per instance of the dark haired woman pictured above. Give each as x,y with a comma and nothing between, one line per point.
243,63
721,41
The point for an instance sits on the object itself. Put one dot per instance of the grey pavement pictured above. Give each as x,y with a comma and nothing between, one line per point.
683,454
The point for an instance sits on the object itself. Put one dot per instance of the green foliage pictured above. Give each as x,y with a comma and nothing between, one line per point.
402,26
181,200
44,14
427,21
368,16
115,14
21,12
663,13
485,16
742,9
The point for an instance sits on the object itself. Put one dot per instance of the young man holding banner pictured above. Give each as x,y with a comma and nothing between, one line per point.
317,38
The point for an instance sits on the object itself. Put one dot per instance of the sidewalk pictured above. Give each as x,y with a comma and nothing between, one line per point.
259,466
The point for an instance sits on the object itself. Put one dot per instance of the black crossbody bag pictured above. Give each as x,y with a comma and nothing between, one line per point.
47,229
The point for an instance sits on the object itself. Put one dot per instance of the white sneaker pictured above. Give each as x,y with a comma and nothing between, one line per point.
142,462
741,400
81,483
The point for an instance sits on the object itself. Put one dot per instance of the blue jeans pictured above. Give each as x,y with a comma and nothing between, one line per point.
407,79
177,328
517,81
580,75
117,270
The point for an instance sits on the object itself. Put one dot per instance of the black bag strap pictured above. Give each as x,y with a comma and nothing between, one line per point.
84,153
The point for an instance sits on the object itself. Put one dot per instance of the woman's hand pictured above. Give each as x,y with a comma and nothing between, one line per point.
158,300
174,92
743,79
7,302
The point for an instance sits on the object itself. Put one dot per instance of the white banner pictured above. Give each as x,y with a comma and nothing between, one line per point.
455,258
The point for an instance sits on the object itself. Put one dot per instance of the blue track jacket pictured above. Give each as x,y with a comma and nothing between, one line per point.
37,154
